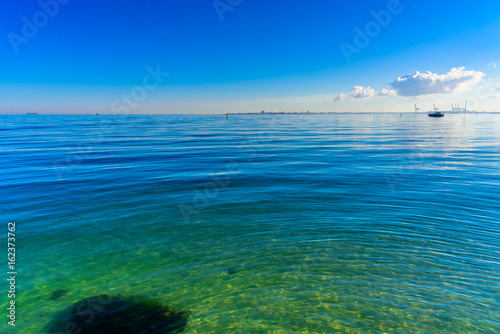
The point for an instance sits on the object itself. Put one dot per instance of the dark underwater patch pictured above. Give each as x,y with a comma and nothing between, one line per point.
58,294
106,314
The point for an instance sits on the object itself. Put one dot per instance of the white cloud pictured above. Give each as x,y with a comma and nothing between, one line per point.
340,97
455,81
357,93
385,92
494,65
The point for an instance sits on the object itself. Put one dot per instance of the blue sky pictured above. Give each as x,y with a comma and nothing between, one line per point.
247,55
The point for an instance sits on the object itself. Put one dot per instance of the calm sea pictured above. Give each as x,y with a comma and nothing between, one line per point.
259,224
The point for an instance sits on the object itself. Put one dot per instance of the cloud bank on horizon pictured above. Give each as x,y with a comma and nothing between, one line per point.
418,84
455,81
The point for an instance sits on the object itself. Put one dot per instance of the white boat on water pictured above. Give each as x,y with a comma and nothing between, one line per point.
436,113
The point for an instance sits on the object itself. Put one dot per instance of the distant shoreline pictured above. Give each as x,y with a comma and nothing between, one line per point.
362,112
274,113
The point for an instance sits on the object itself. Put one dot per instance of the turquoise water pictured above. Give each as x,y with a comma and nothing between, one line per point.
260,224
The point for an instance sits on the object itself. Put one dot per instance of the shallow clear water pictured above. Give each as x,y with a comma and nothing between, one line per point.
260,224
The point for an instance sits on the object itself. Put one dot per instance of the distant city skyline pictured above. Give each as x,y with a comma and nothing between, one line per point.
232,56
